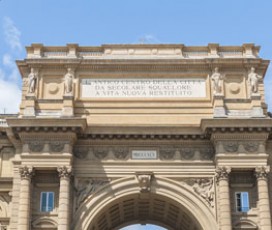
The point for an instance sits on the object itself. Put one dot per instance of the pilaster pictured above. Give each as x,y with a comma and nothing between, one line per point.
222,178
263,195
25,194
64,197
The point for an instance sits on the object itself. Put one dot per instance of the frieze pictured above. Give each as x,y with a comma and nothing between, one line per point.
167,153
251,146
231,146
207,153
56,146
86,187
201,152
7,150
36,146
187,153
101,153
120,153
81,152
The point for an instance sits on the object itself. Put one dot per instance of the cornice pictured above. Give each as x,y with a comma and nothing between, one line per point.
22,127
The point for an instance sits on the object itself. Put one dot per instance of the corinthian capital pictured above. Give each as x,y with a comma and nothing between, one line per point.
26,172
222,173
64,171
262,172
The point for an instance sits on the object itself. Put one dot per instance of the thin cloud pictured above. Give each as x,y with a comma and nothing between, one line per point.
12,34
7,61
10,95
148,39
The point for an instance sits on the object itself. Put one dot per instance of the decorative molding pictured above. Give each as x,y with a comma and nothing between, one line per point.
204,188
222,173
87,187
26,172
64,171
100,153
36,146
231,146
262,172
81,152
144,180
5,200
121,153
56,146
167,153
251,146
187,153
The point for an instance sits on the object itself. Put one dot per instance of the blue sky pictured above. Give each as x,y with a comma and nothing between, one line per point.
95,22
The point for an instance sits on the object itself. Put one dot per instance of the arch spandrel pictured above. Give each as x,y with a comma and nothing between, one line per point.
176,197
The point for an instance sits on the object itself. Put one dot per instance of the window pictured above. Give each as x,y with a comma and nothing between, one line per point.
242,201
47,201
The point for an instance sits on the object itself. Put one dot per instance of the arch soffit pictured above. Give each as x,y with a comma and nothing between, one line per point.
171,190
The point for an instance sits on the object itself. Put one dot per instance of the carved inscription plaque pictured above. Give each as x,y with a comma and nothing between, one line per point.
144,154
143,88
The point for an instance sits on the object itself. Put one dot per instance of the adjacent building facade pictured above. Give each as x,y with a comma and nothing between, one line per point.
109,136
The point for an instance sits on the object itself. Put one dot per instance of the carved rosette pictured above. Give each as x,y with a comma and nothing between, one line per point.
262,172
56,146
120,153
187,153
222,173
167,153
144,181
36,146
26,172
251,147
81,152
101,153
207,153
64,172
231,146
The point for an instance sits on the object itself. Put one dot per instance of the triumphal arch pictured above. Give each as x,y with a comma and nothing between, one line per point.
107,136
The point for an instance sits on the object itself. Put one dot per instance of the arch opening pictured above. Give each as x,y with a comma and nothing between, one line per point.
143,227
148,209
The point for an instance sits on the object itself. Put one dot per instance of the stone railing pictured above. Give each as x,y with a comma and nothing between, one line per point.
141,50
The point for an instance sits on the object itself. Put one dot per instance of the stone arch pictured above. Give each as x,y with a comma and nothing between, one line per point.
175,196
45,222
245,224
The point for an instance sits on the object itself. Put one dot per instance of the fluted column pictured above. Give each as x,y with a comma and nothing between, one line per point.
263,195
222,178
24,203
64,197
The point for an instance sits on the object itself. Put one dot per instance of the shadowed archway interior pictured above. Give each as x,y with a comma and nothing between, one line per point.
144,209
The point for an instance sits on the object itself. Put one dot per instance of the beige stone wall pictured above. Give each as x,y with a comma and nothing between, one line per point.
198,151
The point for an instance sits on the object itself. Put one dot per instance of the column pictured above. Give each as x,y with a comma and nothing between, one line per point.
64,197
222,178
24,202
264,208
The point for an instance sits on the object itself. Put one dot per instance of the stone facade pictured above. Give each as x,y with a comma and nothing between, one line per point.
108,136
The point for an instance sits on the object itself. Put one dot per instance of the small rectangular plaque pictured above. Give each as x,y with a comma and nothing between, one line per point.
144,154
143,88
